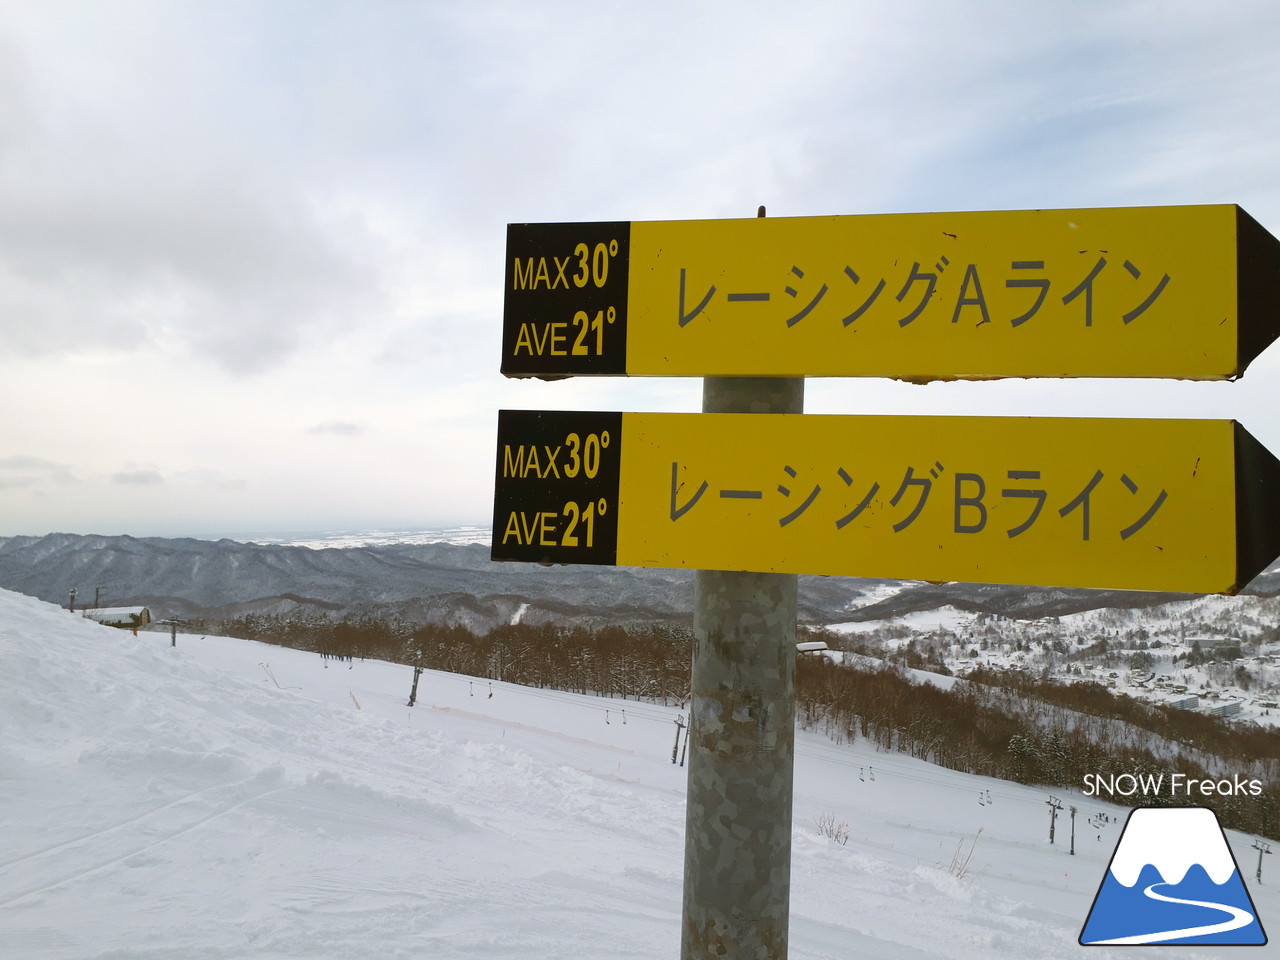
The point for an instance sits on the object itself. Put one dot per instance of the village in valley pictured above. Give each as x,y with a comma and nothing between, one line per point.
1214,655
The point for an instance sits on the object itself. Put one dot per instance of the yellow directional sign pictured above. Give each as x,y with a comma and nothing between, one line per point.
1190,292
1179,505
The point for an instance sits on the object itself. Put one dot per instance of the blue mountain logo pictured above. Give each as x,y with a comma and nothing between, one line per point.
1173,879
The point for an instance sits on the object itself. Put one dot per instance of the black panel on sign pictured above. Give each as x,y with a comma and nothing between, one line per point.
556,491
1257,507
1258,288
565,306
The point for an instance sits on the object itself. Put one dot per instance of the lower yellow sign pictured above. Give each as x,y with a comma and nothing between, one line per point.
1178,505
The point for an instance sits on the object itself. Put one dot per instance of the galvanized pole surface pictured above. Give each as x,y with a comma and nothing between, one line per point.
737,864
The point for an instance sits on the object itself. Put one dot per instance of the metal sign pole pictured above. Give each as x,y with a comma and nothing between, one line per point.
737,867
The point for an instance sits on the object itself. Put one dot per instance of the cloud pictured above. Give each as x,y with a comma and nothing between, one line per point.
142,477
339,428
176,214
238,229
21,471
210,477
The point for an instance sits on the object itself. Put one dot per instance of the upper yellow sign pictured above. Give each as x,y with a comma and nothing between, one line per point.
1189,292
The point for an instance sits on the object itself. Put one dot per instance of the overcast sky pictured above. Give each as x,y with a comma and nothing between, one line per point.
251,253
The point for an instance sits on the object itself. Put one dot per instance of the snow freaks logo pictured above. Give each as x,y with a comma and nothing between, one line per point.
1153,784
1172,879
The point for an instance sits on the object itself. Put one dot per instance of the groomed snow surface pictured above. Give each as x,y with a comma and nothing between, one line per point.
227,799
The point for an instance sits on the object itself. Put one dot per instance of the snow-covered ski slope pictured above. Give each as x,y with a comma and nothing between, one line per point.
226,799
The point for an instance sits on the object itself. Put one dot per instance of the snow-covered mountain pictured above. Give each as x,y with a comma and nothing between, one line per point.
455,583
221,798
429,582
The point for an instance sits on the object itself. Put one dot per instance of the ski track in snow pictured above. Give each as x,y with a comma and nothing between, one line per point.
81,841
174,802
93,863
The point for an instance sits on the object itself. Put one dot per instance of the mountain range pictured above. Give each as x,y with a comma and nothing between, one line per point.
458,584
